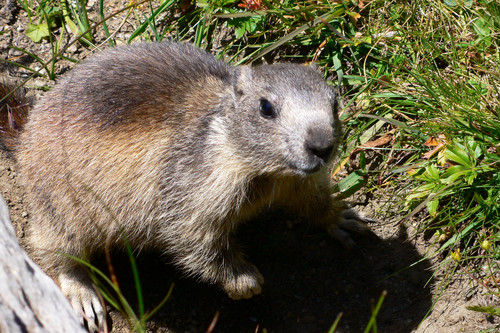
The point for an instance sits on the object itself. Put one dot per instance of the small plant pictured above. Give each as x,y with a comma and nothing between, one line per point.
372,323
110,290
77,20
451,100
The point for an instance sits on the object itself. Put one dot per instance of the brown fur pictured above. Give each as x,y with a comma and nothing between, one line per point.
164,146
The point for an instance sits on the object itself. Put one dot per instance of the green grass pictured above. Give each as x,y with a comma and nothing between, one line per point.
109,290
445,84
420,86
443,79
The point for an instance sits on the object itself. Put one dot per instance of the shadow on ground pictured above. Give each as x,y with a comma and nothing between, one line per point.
310,279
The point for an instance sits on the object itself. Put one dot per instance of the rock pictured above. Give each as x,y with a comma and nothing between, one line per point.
29,300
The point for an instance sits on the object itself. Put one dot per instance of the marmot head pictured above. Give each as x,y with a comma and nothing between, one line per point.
284,119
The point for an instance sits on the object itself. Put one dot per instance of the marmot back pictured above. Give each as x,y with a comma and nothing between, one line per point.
167,147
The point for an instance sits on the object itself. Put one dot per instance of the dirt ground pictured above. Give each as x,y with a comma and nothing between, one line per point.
310,278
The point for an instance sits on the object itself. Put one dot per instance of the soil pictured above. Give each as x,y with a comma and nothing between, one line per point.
310,279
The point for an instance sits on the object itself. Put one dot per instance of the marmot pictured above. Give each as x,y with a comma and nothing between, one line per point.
166,147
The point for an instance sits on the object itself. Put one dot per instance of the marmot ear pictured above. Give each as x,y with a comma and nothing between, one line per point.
242,81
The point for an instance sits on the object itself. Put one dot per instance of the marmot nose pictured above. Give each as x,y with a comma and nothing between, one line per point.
320,146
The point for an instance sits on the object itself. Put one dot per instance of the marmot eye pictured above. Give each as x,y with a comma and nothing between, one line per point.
266,109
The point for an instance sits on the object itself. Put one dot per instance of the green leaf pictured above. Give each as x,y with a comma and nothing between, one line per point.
470,177
285,39
460,169
461,234
49,10
37,31
416,195
451,179
482,27
335,323
458,155
337,64
350,184
244,24
485,309
428,188
432,172
239,31
397,123
163,7
432,207
355,79
456,3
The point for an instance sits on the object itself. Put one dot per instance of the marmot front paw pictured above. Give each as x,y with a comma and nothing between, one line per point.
351,220
244,285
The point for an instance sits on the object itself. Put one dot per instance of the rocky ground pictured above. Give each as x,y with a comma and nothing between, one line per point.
310,278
